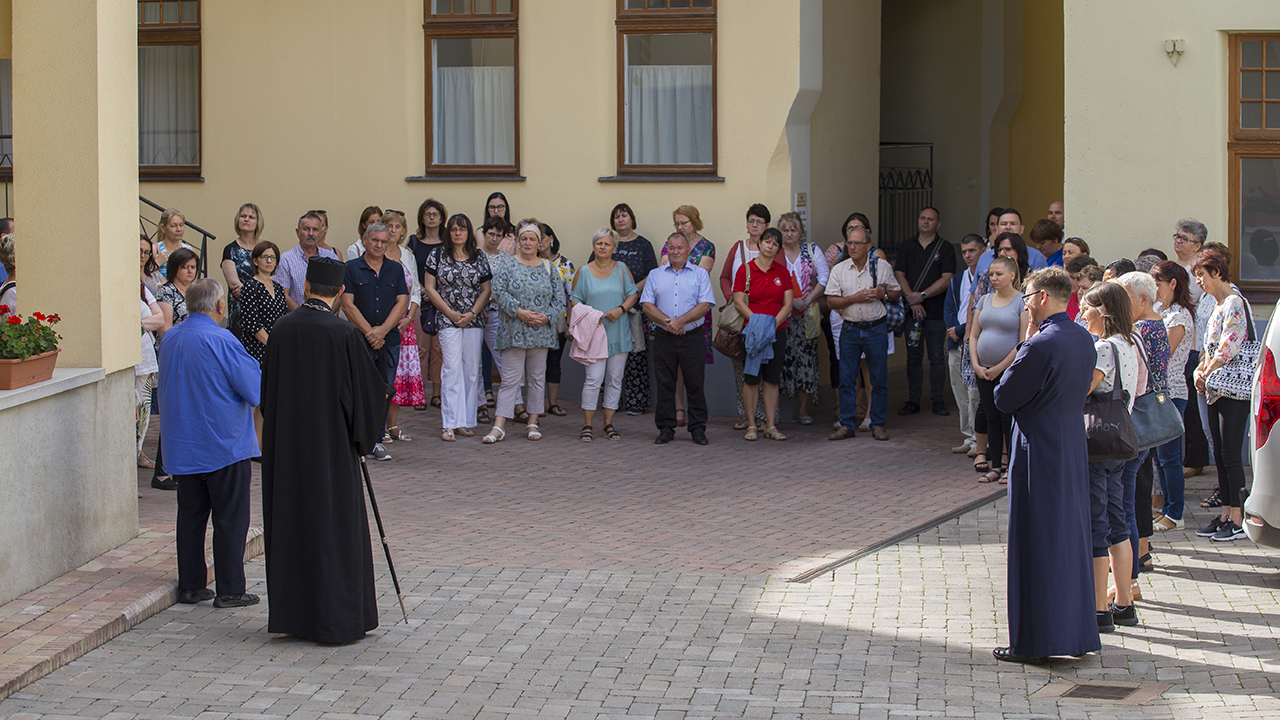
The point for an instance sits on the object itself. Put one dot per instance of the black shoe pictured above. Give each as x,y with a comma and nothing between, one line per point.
234,601
635,411
1228,532
699,437
664,437
1004,654
166,484
1106,622
941,409
1127,616
1212,528
191,597
911,408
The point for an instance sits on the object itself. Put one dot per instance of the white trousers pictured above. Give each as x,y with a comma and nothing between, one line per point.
461,389
966,397
609,373
519,364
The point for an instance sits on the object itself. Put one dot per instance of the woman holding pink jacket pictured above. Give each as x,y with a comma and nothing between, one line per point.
607,286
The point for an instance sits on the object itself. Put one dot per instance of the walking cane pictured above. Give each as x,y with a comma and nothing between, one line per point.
368,484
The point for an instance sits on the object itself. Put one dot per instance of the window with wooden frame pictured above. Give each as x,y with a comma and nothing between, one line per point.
1254,156
168,89
667,88
473,94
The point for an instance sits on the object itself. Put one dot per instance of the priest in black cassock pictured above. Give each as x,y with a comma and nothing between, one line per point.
323,402
1051,602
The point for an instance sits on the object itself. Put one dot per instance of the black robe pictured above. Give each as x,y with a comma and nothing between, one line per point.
1051,603
323,403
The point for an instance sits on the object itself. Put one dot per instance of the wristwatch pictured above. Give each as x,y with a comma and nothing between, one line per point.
924,294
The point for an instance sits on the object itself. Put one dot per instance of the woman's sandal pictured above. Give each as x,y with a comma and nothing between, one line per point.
751,433
447,435
522,416
435,401
532,432
482,416
491,438
1145,563
744,424
680,417
772,433
488,399
420,407
586,434
464,432
982,465
1214,500
146,462
394,432
990,477
557,411
1004,476
611,432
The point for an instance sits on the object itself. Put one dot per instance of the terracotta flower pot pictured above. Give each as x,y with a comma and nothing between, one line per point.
17,373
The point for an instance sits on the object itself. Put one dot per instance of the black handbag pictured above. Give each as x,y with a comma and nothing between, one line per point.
1155,419
430,318
1107,423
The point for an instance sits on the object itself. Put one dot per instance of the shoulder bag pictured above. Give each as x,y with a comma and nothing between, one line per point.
896,311
1234,380
1155,419
430,318
1107,424
728,338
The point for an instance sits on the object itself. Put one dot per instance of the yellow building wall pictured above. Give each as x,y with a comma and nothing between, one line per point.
6,28
1146,142
324,109
1036,130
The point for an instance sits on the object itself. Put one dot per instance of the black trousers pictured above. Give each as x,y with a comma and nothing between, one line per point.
1229,423
1196,452
1142,493
933,338
687,352
999,425
225,493
553,361
832,361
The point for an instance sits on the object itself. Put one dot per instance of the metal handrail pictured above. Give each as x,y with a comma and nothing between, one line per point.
206,236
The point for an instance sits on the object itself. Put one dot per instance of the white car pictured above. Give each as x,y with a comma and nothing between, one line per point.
1262,507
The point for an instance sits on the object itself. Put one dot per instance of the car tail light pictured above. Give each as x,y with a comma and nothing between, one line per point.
1269,400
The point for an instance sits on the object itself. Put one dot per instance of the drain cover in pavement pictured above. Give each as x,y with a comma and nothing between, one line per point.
1096,691
1100,691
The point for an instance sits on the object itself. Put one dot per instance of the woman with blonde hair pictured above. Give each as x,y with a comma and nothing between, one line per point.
168,238
409,386
688,222
237,260
808,268
999,323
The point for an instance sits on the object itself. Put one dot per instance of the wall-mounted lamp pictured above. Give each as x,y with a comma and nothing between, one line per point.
1174,49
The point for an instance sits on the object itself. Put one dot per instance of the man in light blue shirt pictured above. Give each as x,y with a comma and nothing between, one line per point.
676,297
209,386
1011,221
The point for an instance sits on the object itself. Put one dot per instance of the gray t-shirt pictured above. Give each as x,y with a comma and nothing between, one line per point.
1000,327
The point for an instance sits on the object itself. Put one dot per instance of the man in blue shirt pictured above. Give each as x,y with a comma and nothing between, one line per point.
1011,221
209,386
374,300
676,297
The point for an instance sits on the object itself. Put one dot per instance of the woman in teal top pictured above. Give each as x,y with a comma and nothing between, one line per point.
608,287
529,293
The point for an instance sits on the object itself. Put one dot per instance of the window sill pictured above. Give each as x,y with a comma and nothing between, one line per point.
63,379
465,178
660,178
170,178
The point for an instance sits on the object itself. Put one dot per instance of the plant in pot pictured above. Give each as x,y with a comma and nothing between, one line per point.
28,350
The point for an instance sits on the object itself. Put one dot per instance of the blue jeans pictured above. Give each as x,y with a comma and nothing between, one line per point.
1130,479
855,341
1169,463
387,359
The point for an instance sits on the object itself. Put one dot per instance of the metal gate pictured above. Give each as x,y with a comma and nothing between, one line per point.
906,188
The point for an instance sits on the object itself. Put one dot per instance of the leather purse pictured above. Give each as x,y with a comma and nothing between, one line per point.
1107,423
1155,419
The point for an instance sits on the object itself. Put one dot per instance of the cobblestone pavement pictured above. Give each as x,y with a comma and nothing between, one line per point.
557,579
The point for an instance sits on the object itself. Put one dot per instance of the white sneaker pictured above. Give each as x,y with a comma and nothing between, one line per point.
380,453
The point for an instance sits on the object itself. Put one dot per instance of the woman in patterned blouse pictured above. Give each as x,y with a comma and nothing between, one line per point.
529,293
1228,418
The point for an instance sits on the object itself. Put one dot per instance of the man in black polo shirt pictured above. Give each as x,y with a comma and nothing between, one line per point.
374,300
924,268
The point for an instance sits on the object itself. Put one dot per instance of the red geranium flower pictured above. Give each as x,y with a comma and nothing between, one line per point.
55,318
39,316
14,320
4,308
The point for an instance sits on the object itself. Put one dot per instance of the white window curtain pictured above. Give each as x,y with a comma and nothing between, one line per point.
169,105
475,115
669,114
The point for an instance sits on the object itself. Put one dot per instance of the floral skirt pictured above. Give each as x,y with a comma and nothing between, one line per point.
409,389
635,380
800,369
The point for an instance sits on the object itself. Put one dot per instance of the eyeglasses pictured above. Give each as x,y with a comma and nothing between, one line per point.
756,221
857,242
682,223
318,212
145,252
1182,239
431,214
497,208
1028,296
272,258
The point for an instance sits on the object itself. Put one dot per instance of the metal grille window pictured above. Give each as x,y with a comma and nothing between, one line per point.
6,117
168,88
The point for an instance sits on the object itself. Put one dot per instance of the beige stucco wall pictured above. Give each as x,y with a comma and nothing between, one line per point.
931,91
1035,132
1148,145
324,109
69,482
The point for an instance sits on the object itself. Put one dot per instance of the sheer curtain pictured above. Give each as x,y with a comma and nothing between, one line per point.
669,114
475,113
169,105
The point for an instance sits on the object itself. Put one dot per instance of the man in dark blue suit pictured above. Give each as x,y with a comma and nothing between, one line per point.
1051,602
